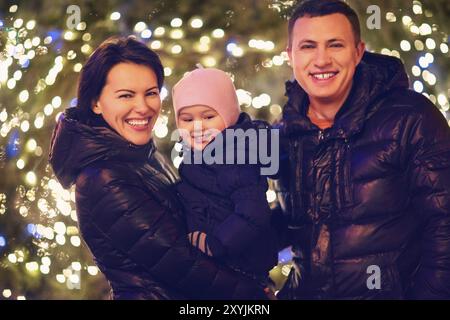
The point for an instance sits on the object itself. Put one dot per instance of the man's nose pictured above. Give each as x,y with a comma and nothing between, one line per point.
322,58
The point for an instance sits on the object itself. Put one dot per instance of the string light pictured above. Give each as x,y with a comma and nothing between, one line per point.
196,23
115,16
218,33
176,22
159,31
140,26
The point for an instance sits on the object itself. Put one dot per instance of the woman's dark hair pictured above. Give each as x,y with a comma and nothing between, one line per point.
93,75
320,8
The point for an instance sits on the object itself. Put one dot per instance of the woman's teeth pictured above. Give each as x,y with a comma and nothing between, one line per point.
135,122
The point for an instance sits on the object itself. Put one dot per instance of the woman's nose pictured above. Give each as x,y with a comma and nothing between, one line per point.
142,106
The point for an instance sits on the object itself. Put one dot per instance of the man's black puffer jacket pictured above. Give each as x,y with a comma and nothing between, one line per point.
371,191
130,218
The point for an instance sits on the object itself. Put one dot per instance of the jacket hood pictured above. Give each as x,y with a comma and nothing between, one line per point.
75,145
374,77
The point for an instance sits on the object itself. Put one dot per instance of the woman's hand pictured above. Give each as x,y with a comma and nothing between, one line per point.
270,294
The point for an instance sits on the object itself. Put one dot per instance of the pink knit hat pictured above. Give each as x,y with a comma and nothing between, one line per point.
209,87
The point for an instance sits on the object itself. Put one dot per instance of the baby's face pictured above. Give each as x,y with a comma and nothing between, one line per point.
198,125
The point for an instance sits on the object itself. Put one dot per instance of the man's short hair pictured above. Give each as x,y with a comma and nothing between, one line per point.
319,8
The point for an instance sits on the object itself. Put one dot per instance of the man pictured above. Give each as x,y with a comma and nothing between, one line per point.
366,187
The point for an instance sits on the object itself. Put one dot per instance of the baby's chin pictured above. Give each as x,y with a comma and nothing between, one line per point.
198,146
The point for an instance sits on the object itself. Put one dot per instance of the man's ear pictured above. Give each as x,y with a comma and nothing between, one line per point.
96,107
289,52
360,49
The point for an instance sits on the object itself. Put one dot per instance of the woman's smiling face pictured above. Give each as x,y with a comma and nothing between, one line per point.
130,102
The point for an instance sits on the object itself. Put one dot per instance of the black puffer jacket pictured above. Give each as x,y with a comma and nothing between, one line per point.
374,189
228,202
130,218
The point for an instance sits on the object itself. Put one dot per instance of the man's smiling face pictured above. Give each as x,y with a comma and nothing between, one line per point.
324,55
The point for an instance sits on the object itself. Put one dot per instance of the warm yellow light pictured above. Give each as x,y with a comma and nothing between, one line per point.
176,22
76,266
75,241
92,270
56,102
12,258
86,49
140,26
69,35
209,61
7,293
156,45
60,278
31,145
86,37
167,71
46,261
77,67
31,178
31,24
115,16
36,41
32,266
23,96
218,33
25,126
20,164
196,23
177,34
176,49
48,109
159,31
60,227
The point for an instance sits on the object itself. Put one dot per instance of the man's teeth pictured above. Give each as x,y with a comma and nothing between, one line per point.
137,122
324,76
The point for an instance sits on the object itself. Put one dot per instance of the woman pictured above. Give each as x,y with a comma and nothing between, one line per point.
128,214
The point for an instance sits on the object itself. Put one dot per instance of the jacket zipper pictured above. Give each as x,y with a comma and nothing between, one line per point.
320,135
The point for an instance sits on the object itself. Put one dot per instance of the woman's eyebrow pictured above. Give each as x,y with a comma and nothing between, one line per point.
127,90
132,91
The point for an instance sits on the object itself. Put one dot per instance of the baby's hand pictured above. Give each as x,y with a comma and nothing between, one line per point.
198,239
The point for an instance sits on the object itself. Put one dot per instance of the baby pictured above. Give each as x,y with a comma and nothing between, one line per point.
226,206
